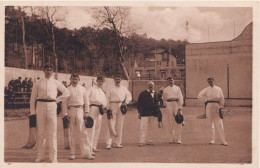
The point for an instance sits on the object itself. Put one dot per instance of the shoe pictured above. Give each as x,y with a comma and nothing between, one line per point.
54,161
150,143
89,157
211,142
172,142
108,146
141,145
225,143
72,157
118,146
92,153
37,160
178,142
95,150
183,123
202,116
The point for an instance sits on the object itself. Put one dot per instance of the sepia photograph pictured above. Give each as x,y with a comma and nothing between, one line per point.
102,84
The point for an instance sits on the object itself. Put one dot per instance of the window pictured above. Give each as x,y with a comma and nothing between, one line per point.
163,74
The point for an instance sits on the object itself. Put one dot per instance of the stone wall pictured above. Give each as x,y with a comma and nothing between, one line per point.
34,74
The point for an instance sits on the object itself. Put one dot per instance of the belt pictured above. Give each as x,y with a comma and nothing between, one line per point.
45,100
115,102
76,106
212,102
173,99
96,105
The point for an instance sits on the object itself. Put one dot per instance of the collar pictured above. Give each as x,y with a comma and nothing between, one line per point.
51,78
150,92
97,87
117,86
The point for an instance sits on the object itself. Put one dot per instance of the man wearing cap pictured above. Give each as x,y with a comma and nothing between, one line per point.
73,108
43,103
174,101
213,97
147,108
96,102
118,95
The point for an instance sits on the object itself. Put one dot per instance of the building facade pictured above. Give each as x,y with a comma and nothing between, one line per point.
160,66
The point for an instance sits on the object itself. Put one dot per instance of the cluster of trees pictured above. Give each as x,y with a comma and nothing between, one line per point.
88,50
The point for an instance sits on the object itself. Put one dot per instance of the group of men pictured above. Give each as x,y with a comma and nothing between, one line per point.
172,97
18,85
79,103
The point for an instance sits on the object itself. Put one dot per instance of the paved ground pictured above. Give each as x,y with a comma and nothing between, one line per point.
195,148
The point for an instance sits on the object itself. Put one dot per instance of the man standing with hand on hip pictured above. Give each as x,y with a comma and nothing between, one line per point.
95,105
73,108
43,103
118,95
174,101
213,97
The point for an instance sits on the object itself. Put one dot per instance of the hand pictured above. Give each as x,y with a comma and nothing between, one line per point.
179,111
139,116
86,114
124,104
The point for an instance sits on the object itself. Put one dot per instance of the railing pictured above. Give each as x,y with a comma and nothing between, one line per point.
156,78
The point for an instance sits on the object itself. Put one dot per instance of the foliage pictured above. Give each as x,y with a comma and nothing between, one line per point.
87,51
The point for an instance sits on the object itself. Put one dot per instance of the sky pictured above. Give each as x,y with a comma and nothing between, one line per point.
197,24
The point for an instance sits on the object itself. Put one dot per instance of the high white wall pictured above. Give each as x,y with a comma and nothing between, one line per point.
34,74
213,59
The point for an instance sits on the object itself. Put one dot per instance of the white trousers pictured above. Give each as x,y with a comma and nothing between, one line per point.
145,128
78,131
174,129
117,123
94,132
46,116
212,113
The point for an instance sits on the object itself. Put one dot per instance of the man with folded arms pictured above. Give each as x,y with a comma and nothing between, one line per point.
43,103
118,95
174,101
213,97
73,108
95,105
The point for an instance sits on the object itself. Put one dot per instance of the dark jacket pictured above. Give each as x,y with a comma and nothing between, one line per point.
147,106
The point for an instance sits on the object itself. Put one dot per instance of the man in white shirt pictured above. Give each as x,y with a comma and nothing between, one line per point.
118,95
96,102
73,108
43,103
173,99
214,99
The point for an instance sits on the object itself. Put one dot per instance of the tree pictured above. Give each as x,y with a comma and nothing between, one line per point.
50,15
22,15
116,19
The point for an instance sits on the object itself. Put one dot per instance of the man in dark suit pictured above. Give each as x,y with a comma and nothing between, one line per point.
147,109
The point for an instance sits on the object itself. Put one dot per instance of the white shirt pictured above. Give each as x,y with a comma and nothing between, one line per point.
47,89
119,94
78,96
152,93
212,94
95,95
173,92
